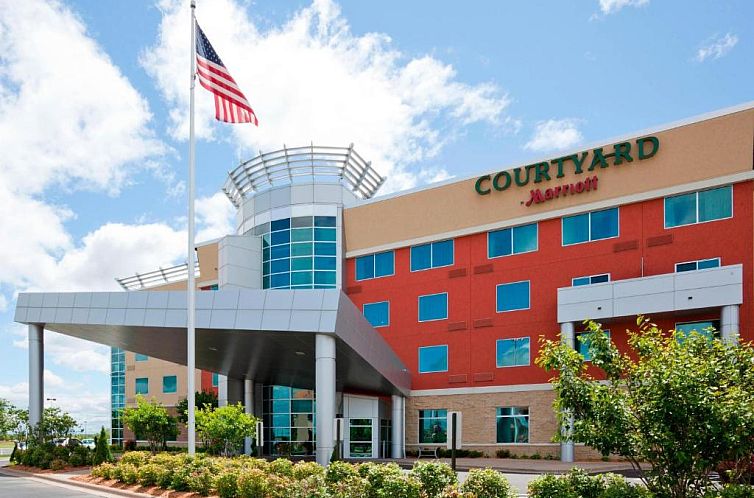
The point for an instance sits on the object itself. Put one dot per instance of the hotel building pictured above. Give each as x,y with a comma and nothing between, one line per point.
393,312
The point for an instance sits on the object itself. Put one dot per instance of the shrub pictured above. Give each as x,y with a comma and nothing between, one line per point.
252,483
136,458
737,491
312,486
180,477
148,474
227,484
129,445
488,483
434,477
104,470
350,486
377,475
339,471
129,473
584,485
201,481
550,486
281,467
57,464
165,475
102,451
81,455
400,486
617,487
17,456
302,470
59,452
503,453
577,484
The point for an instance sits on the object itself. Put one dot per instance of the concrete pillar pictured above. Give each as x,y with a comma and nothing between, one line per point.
325,392
248,405
568,337
729,323
36,373
397,424
403,427
222,390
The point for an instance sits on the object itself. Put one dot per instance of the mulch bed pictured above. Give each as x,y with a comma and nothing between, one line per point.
137,488
37,470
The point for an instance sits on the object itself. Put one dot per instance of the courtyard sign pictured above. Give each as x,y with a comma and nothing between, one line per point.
574,164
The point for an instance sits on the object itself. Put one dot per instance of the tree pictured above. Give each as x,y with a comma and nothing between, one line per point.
682,403
102,451
200,400
223,429
55,424
151,421
10,419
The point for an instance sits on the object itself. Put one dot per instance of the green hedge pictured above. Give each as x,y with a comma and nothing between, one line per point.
245,477
49,456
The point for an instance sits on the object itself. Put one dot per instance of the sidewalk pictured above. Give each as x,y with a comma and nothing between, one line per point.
524,466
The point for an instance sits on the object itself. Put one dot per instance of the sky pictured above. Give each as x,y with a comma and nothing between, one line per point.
94,118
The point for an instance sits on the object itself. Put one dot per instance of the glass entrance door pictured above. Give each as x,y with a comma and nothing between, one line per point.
360,438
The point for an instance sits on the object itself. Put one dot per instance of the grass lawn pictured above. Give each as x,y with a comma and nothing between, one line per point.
6,444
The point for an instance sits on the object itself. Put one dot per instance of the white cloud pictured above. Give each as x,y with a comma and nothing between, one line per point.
312,79
69,352
554,134
52,380
612,6
716,47
214,216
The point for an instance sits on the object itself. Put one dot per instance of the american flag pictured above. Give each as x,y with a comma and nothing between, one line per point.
231,105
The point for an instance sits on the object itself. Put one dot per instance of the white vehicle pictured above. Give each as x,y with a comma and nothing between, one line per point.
88,442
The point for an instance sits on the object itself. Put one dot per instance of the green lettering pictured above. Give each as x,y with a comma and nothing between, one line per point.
559,163
517,172
622,151
599,158
655,147
578,162
541,170
478,185
496,181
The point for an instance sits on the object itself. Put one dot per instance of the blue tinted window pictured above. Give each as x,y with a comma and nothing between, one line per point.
594,279
141,357
324,249
384,264
681,267
512,352
575,229
599,279
604,224
513,296
421,257
280,280
514,240
365,267
715,204
301,235
215,379
324,221
301,277
442,253
580,281
583,343
142,386
587,227
433,426
707,329
697,265
709,263
433,359
432,255
302,249
280,237
280,265
169,384
324,234
324,263
433,307
280,224
301,263
378,314
324,277
277,252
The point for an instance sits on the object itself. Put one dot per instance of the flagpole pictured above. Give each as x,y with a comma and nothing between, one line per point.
191,288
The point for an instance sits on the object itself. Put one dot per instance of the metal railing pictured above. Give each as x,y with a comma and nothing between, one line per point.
288,165
153,278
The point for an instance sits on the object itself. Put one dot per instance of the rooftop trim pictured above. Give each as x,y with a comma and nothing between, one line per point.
154,278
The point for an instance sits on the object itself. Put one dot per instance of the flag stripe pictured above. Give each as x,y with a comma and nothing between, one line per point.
231,105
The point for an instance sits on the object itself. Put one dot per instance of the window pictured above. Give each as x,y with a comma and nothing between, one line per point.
588,227
697,265
433,359
215,379
141,357
381,264
433,426
709,329
583,343
512,352
169,384
378,314
360,438
592,279
699,207
433,307
514,240
142,385
513,296
288,415
299,253
432,255
513,424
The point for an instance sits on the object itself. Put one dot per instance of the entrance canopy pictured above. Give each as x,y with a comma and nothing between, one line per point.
264,335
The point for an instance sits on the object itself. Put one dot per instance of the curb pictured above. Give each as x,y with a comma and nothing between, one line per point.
106,490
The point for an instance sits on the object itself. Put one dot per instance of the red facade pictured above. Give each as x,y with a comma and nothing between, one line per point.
643,248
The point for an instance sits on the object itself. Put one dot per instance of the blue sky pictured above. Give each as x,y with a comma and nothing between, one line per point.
93,116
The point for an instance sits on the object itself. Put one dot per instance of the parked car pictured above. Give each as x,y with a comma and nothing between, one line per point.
89,443
70,442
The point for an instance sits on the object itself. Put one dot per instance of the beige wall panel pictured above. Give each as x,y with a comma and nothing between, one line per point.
155,369
693,152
